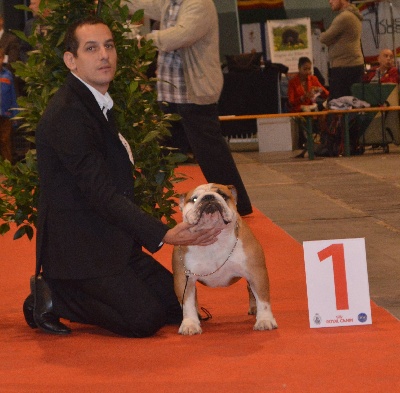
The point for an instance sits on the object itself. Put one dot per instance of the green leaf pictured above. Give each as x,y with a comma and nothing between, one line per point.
138,115
4,228
20,232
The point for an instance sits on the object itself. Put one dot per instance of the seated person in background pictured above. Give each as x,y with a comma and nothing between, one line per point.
304,88
385,72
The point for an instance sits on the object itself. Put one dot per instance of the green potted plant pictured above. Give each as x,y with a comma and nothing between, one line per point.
135,102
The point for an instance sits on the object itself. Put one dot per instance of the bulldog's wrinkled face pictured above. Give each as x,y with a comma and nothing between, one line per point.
209,205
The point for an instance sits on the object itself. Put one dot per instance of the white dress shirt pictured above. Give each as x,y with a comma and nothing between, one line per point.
106,103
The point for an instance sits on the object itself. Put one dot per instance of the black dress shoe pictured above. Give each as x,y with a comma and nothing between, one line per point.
27,308
43,308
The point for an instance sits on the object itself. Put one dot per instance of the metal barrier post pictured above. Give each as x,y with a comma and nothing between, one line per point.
346,136
310,139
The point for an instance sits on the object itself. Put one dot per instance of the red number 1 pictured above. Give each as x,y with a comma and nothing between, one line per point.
336,251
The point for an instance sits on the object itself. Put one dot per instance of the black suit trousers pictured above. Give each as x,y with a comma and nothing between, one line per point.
137,302
341,79
202,129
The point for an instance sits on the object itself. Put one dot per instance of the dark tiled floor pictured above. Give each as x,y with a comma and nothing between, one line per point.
335,198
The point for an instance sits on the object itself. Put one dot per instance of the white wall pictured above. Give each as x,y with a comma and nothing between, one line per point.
225,5
316,10
229,42
298,4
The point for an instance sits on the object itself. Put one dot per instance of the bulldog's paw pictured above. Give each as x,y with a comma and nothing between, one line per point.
189,327
266,324
252,310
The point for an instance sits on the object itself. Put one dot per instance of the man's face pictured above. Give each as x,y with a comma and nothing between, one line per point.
336,5
386,58
96,59
34,6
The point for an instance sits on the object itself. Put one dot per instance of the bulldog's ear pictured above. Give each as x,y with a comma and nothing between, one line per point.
182,198
232,189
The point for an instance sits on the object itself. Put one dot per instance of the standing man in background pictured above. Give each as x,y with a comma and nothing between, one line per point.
343,38
188,44
34,6
10,45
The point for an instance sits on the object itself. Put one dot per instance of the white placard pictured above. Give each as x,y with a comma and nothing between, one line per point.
337,283
251,36
288,40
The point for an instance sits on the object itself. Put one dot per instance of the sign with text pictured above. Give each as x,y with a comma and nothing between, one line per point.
337,283
380,28
288,40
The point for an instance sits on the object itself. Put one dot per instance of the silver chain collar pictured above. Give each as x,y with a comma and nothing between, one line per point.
188,272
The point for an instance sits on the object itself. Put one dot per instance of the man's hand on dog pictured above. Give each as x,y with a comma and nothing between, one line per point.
183,235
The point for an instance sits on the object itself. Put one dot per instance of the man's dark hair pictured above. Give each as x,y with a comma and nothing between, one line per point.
303,60
70,41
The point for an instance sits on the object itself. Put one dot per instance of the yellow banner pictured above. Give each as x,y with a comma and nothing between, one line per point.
249,4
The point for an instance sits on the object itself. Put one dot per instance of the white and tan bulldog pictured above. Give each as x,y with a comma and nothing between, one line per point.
236,254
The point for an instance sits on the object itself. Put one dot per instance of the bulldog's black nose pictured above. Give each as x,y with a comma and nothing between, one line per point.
208,197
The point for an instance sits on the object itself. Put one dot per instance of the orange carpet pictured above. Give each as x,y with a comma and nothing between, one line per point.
228,357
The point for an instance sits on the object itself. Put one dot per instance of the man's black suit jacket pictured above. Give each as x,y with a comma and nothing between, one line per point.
88,224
